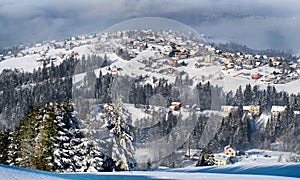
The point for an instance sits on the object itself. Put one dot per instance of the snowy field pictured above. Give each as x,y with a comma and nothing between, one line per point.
233,172
255,166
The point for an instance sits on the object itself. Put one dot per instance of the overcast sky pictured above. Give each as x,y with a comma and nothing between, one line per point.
225,20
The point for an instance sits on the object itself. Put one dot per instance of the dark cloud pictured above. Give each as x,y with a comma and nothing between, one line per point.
257,23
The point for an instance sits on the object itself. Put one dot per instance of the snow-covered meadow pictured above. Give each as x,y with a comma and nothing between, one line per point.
233,172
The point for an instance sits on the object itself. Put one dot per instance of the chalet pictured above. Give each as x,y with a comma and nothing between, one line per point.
297,113
229,109
225,54
298,72
52,41
248,67
209,58
73,54
158,55
76,43
184,54
52,58
276,63
167,48
177,54
113,68
220,160
20,54
275,110
197,65
132,54
158,40
257,63
252,109
108,107
175,106
227,61
103,39
273,59
91,36
81,37
265,57
31,52
237,68
42,53
298,61
238,54
255,76
38,45
239,60
248,56
230,151
294,65
269,78
172,62
257,56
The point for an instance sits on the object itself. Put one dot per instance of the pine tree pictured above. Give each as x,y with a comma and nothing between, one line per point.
248,95
119,143
4,144
49,138
22,148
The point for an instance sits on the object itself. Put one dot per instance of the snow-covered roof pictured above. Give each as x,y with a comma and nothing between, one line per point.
229,146
278,108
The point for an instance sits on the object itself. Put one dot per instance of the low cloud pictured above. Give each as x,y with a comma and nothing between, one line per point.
34,20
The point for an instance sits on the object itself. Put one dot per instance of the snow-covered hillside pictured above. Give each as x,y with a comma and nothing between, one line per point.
155,95
246,172
154,60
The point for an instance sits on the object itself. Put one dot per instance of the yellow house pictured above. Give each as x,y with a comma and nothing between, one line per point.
209,58
252,109
230,151
229,109
221,160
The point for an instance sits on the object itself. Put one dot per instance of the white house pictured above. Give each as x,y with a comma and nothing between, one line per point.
275,110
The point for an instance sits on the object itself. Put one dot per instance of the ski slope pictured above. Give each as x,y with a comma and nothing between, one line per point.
233,172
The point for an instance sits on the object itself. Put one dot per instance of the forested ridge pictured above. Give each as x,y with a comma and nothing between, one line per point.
39,129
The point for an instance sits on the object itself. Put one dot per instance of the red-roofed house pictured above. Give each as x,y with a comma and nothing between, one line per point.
229,150
175,106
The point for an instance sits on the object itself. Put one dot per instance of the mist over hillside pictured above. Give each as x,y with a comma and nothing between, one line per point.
259,25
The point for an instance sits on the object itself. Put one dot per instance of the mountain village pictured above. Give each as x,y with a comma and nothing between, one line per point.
166,52
169,55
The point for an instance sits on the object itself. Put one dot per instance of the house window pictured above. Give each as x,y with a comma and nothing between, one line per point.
229,150
227,153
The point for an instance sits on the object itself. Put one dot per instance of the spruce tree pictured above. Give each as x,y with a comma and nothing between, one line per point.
119,143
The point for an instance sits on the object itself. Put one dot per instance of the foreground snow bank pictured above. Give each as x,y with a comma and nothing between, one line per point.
286,170
234,172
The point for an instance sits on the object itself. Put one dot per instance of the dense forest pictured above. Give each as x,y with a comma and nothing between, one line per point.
39,129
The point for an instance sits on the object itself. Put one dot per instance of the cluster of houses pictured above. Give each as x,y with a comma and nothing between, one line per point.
227,157
43,48
251,109
174,48
285,70
255,110
168,45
